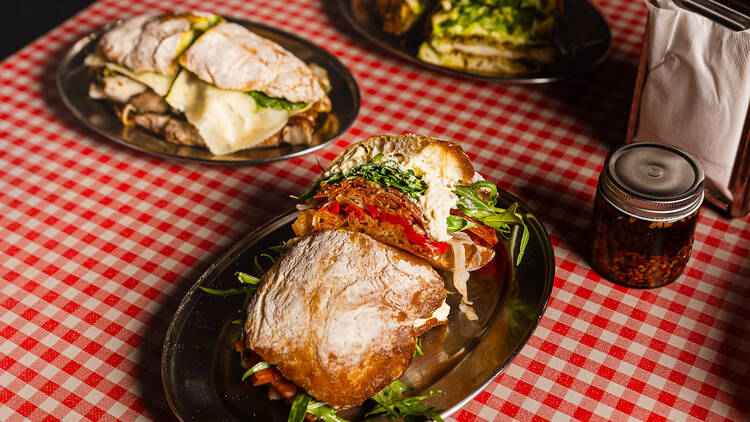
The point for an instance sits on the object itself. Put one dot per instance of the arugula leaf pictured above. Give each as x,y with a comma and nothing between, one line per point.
263,100
256,368
245,278
418,349
323,412
393,404
228,292
384,173
299,407
499,219
457,223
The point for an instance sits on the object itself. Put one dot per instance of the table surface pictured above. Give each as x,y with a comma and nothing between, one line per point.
99,243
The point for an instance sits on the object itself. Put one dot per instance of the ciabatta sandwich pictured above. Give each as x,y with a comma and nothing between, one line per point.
197,80
339,313
414,192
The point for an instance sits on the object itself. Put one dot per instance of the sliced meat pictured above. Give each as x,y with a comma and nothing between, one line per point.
169,127
149,101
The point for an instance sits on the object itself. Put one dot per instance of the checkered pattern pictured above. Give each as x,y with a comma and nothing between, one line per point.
99,243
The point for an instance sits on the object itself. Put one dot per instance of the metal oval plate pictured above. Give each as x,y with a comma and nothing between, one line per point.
582,40
201,371
72,82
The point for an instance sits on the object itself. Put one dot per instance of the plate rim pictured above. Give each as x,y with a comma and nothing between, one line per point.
345,6
66,64
275,223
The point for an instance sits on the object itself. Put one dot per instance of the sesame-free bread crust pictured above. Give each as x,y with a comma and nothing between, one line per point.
230,56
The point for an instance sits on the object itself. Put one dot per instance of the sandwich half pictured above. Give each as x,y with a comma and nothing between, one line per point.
417,193
339,312
198,80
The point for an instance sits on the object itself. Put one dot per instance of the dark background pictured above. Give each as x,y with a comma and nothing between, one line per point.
26,20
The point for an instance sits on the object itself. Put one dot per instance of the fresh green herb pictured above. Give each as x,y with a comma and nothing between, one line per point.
279,249
299,407
227,292
323,412
256,368
264,101
418,347
457,223
499,219
250,285
393,404
247,278
386,174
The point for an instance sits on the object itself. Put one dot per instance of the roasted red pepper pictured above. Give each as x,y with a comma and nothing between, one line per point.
373,211
418,239
414,237
332,207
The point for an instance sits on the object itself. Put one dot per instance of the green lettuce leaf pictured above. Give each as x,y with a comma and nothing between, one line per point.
265,101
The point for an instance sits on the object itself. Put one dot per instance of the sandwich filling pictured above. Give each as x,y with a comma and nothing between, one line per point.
406,191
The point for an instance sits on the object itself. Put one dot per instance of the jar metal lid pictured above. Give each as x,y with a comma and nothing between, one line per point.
653,181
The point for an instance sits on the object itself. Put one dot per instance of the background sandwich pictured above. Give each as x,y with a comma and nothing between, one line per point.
197,80
493,37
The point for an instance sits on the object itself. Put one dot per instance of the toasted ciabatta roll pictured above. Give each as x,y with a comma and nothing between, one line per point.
338,314
415,192
197,80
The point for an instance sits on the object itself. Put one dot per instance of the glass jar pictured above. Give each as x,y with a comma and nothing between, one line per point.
646,209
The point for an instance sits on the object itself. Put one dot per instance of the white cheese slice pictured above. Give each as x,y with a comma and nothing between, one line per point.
158,82
227,121
440,314
116,87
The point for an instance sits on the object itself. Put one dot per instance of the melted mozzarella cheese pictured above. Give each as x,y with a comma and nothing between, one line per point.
117,88
440,314
156,81
227,121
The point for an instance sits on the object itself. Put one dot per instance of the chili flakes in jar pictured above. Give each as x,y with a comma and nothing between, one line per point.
647,205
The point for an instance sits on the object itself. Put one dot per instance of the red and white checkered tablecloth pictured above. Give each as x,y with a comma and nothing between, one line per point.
98,243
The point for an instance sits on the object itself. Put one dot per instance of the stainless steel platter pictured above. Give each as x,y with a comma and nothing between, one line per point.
72,82
581,40
201,371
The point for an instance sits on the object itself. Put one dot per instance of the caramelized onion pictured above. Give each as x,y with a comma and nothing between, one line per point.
460,274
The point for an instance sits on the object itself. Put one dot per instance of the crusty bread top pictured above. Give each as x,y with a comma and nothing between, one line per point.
230,56
336,314
424,154
148,43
